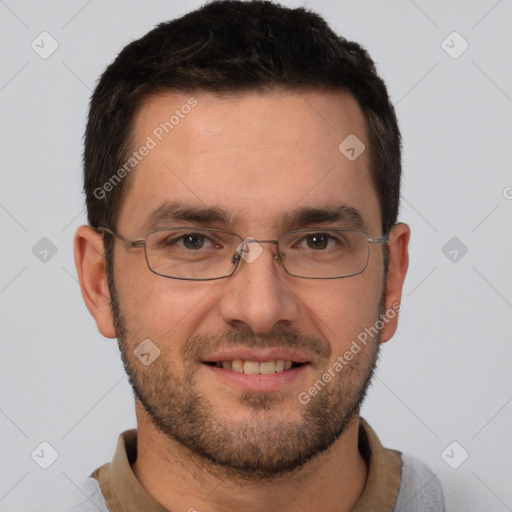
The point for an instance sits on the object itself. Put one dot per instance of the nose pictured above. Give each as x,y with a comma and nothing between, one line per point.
258,295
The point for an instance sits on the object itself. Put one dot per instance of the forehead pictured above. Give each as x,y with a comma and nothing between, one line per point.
256,156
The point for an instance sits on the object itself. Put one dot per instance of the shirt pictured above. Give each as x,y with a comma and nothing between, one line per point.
395,482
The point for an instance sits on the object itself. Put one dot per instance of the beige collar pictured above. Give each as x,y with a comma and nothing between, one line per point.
124,493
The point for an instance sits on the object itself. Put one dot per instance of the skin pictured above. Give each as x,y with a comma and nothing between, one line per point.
256,155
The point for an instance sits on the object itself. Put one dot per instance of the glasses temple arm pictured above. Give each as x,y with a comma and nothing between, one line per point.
383,240
128,243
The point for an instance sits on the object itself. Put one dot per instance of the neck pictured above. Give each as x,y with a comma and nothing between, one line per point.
179,480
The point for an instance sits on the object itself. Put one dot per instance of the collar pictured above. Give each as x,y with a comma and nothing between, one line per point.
124,493
384,473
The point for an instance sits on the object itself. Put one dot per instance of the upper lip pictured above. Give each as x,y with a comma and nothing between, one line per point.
259,354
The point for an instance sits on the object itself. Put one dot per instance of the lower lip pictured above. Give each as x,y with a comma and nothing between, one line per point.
258,382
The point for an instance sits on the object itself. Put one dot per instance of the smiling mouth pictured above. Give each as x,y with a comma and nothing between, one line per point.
255,367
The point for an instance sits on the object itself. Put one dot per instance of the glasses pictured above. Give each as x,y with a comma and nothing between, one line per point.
204,254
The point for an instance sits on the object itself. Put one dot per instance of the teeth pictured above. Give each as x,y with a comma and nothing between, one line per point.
252,367
237,365
279,365
255,367
267,367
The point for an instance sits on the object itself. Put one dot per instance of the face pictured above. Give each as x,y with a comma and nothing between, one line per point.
261,159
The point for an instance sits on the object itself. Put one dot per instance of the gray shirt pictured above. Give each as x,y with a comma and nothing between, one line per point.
395,483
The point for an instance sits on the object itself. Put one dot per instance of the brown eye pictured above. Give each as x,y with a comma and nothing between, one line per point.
318,241
193,241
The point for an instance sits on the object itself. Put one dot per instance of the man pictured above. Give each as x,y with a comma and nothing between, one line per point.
242,178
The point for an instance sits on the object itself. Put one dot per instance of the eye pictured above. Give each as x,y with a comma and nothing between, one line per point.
191,241
318,241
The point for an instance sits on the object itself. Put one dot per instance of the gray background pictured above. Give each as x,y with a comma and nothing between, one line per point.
445,376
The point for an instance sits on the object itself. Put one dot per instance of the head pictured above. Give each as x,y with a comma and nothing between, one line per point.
238,117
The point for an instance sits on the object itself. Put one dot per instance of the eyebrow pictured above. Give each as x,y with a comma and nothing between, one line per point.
343,214
174,211
170,212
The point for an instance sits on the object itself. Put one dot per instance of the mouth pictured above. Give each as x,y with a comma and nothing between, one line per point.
250,367
258,369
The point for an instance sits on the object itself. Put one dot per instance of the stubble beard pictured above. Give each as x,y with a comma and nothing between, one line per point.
267,446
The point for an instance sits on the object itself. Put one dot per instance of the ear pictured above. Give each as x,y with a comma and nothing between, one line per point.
397,269
90,266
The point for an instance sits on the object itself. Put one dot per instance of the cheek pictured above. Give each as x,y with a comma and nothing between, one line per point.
343,311
166,311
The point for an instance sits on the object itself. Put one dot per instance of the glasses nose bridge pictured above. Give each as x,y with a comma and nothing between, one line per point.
257,241
248,241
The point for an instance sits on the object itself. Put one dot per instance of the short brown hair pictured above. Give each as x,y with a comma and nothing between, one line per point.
232,47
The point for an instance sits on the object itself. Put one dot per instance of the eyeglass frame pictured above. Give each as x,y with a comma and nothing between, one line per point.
141,243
